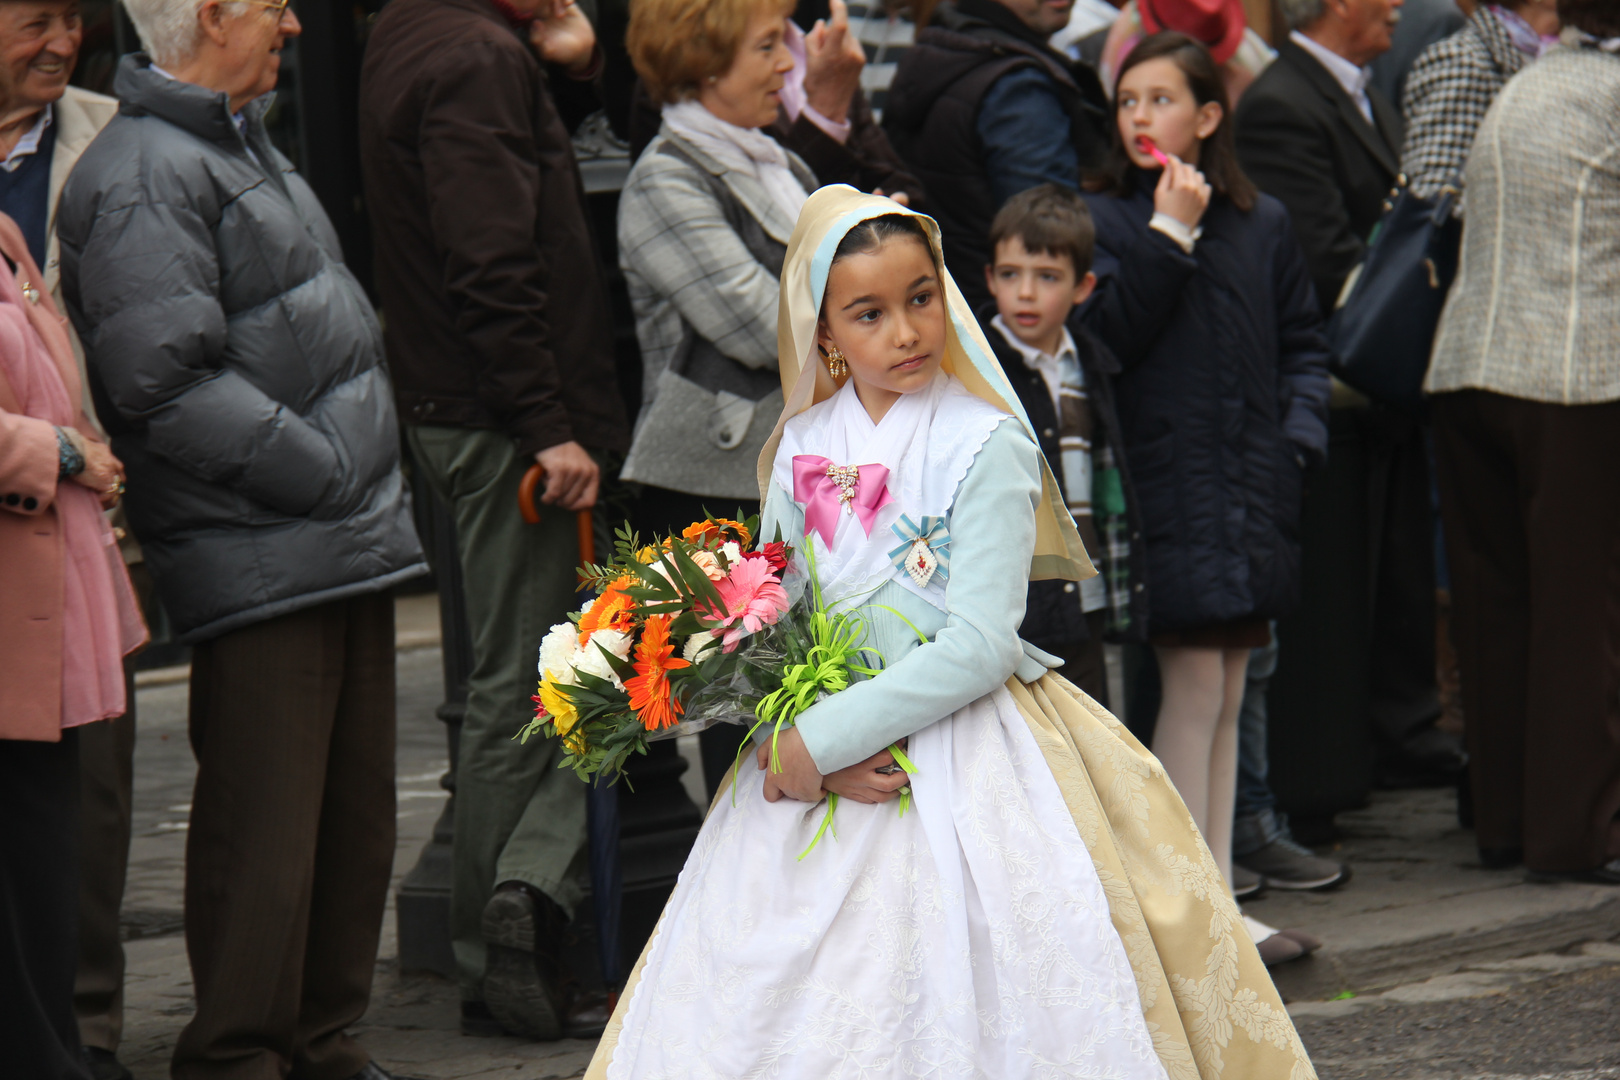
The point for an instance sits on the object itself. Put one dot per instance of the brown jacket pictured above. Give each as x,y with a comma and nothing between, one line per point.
493,300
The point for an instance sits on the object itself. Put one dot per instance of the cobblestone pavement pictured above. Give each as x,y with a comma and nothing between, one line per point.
411,1027
1547,1017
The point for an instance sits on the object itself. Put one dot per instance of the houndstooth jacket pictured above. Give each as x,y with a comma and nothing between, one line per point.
1447,94
1535,310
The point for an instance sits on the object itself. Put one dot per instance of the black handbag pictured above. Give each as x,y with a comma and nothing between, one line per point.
1383,329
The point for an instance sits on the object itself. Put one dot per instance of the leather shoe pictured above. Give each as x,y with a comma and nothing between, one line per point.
523,986
1607,874
476,1019
1500,858
104,1065
588,1013
374,1071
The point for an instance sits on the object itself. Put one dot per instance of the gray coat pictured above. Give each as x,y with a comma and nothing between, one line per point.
236,362
1535,310
702,249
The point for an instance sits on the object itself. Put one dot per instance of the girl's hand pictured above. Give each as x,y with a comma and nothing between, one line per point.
1183,193
799,778
864,784
103,473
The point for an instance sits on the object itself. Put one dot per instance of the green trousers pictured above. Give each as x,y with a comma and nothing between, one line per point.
518,817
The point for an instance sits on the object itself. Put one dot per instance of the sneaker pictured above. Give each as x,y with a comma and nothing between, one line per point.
1287,865
1246,884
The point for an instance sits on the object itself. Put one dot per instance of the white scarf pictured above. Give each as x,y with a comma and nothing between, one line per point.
927,440
745,150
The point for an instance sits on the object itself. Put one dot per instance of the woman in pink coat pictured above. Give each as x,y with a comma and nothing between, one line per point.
67,619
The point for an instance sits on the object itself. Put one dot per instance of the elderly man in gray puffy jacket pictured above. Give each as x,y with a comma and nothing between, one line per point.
239,370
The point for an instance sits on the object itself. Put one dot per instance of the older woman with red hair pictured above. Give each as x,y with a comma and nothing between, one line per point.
68,620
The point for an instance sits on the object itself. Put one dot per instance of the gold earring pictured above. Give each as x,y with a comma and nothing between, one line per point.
837,366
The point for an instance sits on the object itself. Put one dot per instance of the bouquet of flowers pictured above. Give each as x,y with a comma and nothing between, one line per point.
752,648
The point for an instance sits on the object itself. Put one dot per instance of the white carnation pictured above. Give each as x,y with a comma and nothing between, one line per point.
586,606
592,662
557,651
697,643
614,641
732,552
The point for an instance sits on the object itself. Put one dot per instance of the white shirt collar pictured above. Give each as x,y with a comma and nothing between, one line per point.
1354,79
1049,365
29,143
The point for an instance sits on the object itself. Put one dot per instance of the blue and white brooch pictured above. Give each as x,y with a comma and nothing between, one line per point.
925,549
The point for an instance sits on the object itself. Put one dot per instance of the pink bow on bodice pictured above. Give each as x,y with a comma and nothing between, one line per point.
825,489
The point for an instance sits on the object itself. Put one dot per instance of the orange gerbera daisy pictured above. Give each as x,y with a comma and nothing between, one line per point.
650,693
716,528
611,611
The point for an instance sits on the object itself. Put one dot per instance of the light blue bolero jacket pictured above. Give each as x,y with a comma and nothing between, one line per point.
972,649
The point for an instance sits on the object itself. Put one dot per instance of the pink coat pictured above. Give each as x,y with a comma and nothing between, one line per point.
67,612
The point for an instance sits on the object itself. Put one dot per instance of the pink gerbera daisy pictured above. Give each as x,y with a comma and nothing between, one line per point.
753,598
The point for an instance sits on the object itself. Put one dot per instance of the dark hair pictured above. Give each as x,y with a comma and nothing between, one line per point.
1049,219
1600,18
872,233
1217,158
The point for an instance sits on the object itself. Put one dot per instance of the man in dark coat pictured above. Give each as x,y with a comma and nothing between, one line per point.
1312,132
238,368
499,340
982,108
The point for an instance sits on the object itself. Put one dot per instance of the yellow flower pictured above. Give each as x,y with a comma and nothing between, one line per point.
647,555
564,715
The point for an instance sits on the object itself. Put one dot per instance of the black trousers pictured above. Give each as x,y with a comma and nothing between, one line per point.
39,893
1531,500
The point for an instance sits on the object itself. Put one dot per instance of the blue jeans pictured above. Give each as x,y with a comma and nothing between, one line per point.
1256,820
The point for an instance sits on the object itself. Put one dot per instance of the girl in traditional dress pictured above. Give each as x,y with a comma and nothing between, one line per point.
1045,908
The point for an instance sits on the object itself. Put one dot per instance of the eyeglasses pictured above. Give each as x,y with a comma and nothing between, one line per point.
277,6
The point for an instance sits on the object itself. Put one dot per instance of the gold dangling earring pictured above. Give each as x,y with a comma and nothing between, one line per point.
837,366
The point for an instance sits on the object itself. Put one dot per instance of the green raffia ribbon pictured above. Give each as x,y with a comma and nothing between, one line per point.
834,655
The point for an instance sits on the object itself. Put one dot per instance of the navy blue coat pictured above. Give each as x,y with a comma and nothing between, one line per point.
1222,400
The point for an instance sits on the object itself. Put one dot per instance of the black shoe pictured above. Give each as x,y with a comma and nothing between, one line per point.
1500,858
1430,758
104,1065
523,930
1607,874
374,1071
476,1019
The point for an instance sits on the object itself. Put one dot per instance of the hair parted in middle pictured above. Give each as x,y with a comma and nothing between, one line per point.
1217,156
1049,219
678,45
871,234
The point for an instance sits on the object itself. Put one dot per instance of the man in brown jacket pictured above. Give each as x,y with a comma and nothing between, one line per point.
499,341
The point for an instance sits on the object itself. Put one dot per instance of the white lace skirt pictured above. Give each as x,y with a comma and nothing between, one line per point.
970,938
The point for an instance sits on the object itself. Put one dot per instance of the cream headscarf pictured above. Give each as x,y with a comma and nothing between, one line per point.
828,215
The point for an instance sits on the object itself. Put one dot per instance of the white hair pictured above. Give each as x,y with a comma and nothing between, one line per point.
168,28
1298,14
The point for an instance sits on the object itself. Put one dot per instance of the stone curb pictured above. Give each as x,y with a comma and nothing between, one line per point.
1379,950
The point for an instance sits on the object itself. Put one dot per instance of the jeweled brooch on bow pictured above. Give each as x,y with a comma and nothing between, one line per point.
925,549
846,477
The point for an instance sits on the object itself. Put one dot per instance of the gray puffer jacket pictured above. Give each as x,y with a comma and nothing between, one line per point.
236,363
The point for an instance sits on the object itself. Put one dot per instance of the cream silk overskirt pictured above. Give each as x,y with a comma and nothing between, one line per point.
1208,1003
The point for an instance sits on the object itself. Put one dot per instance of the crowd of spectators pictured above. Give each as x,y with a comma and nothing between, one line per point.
1154,209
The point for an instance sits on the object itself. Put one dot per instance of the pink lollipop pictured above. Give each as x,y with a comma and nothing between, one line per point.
1147,146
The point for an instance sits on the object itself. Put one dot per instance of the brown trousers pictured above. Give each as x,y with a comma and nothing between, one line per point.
1530,495
291,840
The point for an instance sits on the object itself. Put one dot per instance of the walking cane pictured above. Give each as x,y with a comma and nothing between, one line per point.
601,799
